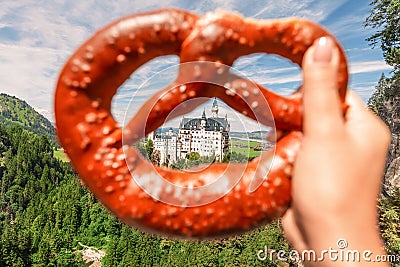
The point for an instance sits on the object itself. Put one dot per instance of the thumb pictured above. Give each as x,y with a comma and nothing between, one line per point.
292,232
321,103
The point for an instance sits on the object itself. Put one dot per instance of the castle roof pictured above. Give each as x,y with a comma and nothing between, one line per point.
212,124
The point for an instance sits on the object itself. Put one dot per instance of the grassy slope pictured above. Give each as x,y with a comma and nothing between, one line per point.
245,147
60,154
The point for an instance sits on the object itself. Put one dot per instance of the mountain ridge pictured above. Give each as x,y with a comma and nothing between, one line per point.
17,112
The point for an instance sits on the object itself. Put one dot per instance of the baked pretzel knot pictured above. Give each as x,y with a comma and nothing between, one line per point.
173,202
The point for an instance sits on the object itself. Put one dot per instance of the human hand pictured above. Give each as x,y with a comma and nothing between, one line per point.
338,171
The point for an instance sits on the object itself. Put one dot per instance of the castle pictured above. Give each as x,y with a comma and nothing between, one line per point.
208,136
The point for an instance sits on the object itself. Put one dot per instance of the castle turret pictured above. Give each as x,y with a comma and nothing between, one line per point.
228,126
203,119
203,116
214,109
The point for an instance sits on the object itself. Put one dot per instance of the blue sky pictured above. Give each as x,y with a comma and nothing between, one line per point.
37,37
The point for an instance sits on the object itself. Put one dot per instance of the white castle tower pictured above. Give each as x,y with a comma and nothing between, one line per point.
214,109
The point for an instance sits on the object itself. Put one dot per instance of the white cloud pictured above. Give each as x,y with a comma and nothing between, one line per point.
369,66
314,10
280,79
49,31
364,92
7,6
284,80
28,73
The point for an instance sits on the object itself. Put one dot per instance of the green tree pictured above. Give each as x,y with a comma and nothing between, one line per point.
149,148
179,164
141,147
384,17
385,101
390,222
156,157
193,156
235,157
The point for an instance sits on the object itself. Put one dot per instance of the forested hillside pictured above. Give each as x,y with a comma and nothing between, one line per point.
385,102
44,210
46,216
14,111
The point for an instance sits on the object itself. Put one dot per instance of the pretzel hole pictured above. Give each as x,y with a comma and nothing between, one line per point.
138,88
202,136
272,71
175,101
211,133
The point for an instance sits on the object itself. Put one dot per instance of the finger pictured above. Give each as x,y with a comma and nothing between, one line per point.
291,230
322,109
357,109
359,119
357,114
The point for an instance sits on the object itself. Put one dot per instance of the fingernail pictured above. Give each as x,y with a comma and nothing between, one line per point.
323,50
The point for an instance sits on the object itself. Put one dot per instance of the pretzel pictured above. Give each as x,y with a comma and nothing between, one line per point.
141,194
